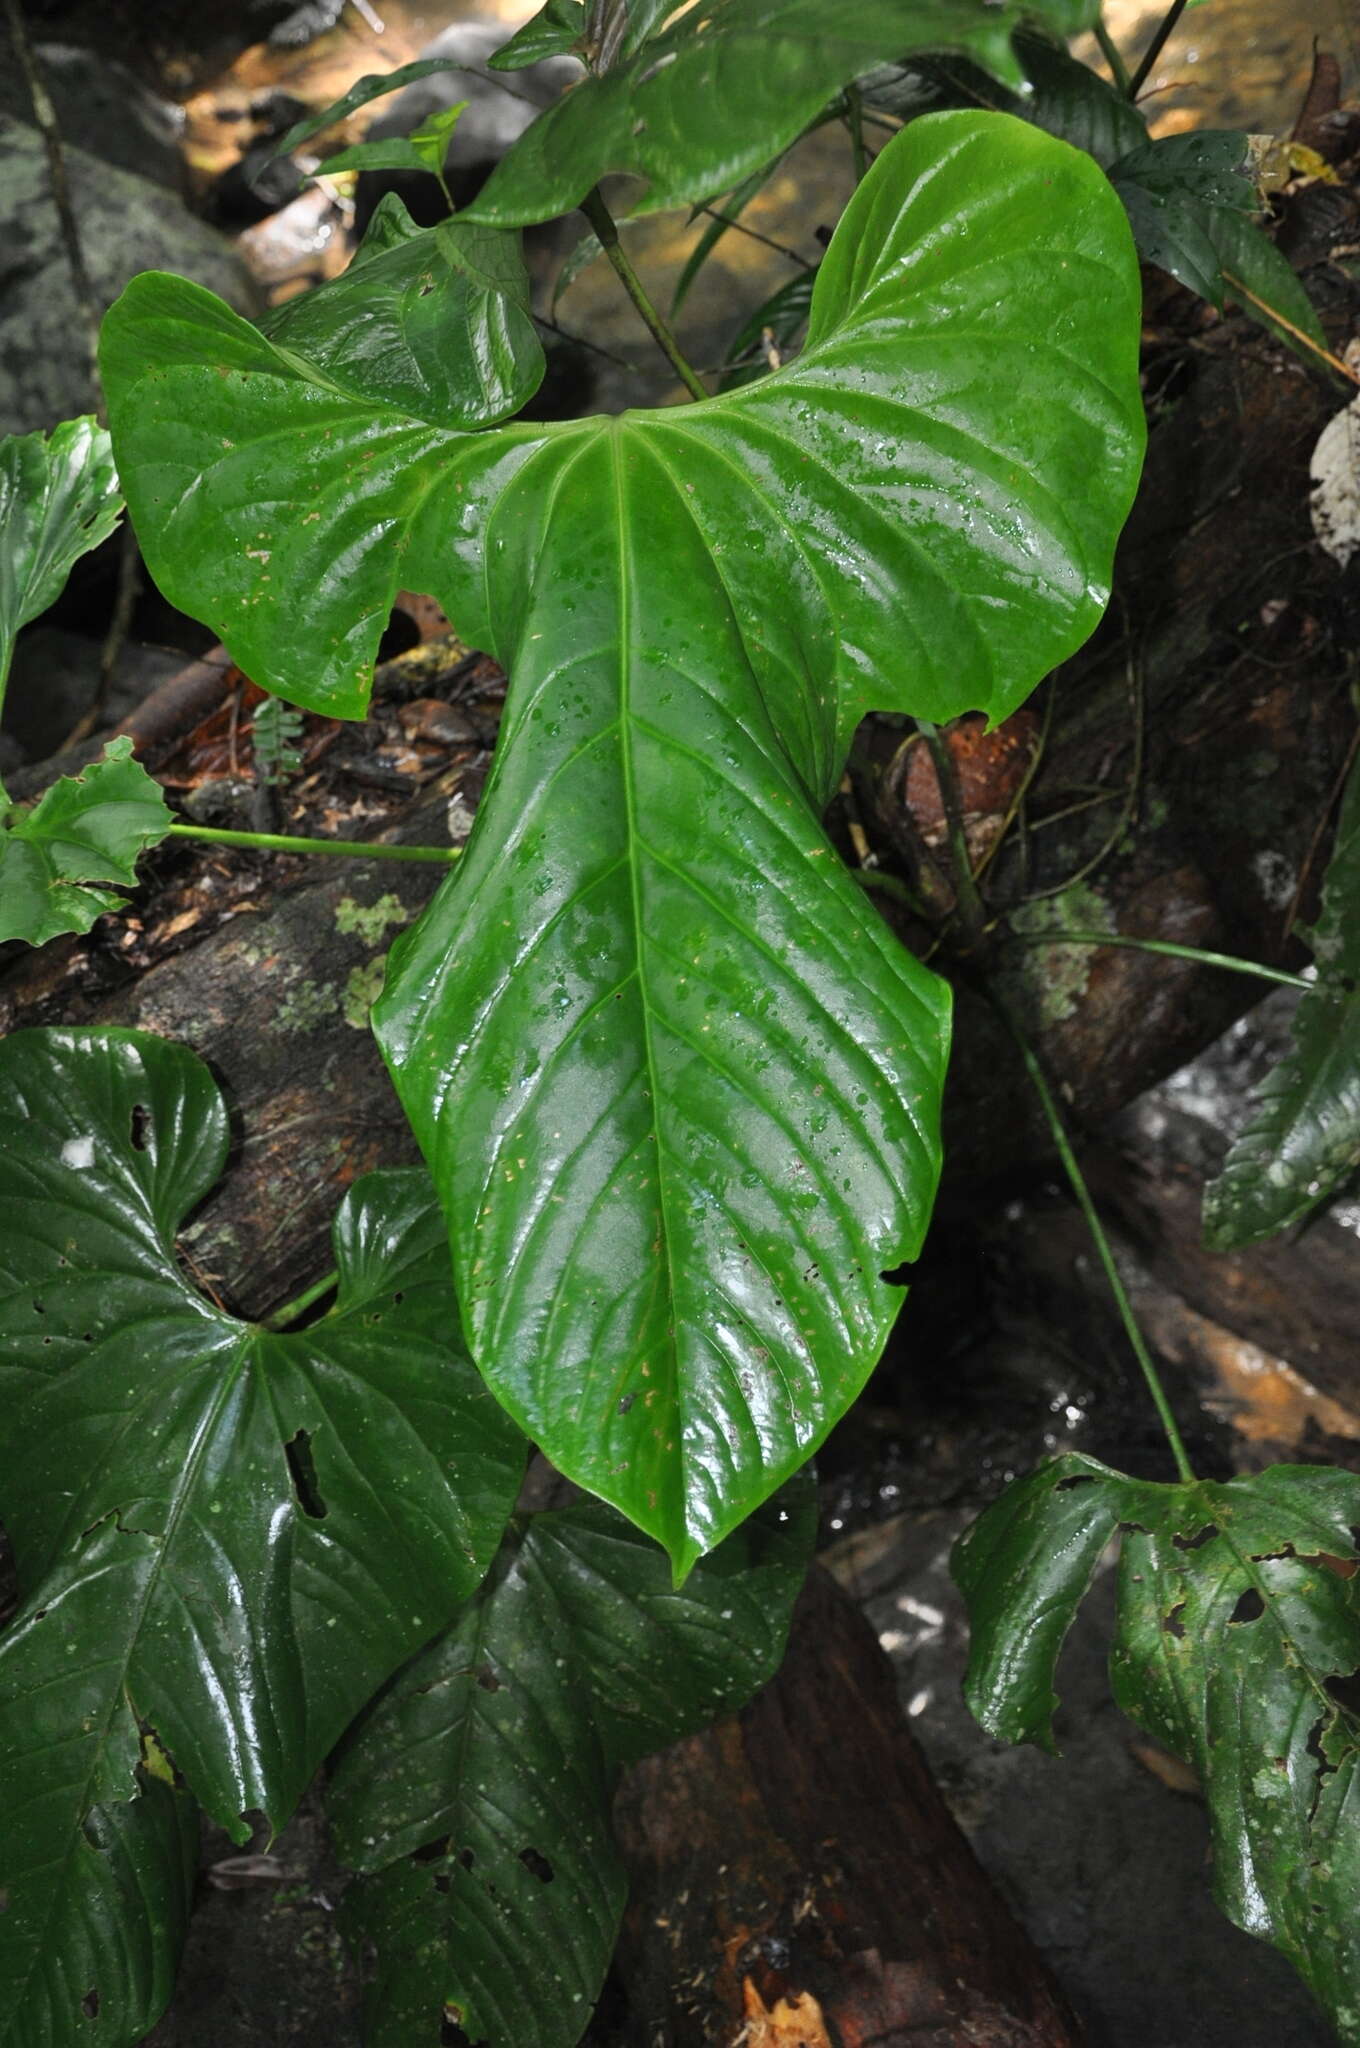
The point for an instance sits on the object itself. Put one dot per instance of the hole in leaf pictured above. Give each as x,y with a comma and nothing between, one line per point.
302,1472
1339,1567
538,1864
442,1881
399,1297
1172,1625
487,1678
431,1852
1250,1607
89,2004
1345,1690
1075,1479
1198,1541
898,1276
466,1858
38,1309
141,1127
451,2035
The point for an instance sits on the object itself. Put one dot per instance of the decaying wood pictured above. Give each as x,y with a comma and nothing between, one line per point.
797,1881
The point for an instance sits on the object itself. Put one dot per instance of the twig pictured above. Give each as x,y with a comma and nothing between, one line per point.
1169,947
606,229
565,334
1155,47
125,597
730,220
1240,291
1316,840
971,914
45,114
1129,805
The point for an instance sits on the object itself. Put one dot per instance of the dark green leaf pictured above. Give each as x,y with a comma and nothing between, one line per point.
1304,1138
1190,201
59,858
249,1531
479,1787
1065,97
59,498
678,1085
707,101
1238,1613
1024,1568
1266,285
374,85
1212,165
89,1953
554,31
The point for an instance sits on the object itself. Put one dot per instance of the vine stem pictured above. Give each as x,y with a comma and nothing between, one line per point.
971,914
1166,946
1155,47
607,234
1102,1244
300,1303
283,842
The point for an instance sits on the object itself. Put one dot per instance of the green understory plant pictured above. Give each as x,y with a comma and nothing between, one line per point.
676,1085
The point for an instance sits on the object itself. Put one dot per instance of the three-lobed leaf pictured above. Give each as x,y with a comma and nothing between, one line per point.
678,1086
1303,1138
63,859
1237,1615
475,1793
227,1536
698,105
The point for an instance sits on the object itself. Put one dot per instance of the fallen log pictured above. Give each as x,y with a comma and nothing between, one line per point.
797,1880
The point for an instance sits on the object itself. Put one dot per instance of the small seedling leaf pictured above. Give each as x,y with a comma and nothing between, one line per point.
63,860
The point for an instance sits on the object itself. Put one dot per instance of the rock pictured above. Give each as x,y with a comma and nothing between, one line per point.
103,109
127,224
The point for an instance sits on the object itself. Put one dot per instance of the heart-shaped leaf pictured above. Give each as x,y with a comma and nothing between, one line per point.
1304,1137
478,1788
1238,1613
228,1536
678,1085
59,498
696,107
59,858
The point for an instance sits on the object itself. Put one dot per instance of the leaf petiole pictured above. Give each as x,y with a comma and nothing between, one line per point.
607,233
283,842
283,1318
1166,946
1104,1250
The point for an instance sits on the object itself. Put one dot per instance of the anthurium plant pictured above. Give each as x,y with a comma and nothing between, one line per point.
676,1085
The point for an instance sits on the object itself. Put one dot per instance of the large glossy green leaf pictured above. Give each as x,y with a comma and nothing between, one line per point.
90,1956
1238,1615
697,106
477,1790
59,498
227,1536
1304,1136
678,1085
59,857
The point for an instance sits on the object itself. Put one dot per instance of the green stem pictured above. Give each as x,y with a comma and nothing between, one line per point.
1167,946
854,121
606,229
1101,1242
971,914
300,1303
283,842
1110,51
894,886
1155,47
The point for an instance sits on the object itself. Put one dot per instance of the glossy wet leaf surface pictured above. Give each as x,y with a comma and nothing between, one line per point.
1237,1633
678,1085
64,858
1303,1139
476,1793
226,1535
59,498
696,106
